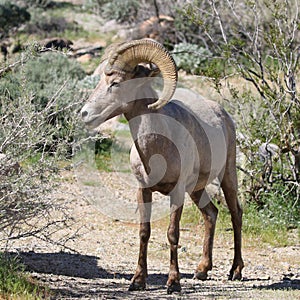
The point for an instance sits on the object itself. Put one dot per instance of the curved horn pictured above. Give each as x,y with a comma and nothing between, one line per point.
128,55
109,50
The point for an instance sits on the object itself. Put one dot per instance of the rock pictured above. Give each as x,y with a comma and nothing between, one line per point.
84,58
92,50
56,43
112,25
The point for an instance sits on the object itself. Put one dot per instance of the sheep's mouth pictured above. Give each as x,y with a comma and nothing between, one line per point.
94,122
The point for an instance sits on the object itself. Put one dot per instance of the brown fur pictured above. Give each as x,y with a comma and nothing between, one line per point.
205,134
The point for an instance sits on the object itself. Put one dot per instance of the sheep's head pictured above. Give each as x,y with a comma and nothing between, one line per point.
119,65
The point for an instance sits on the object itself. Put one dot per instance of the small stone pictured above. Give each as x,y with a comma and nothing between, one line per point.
286,278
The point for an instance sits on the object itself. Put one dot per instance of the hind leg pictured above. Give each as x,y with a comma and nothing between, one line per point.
229,187
210,213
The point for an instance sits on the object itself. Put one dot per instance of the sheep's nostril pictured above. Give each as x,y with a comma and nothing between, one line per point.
84,114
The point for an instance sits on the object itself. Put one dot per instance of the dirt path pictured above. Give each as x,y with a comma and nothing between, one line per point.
107,255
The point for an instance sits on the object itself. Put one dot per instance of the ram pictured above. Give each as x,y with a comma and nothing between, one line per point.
180,146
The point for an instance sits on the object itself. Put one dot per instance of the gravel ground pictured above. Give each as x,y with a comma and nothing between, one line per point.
105,253
107,250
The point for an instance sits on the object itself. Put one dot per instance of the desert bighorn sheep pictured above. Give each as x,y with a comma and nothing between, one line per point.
179,146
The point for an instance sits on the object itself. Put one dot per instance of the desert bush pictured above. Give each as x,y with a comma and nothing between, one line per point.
260,45
25,136
38,115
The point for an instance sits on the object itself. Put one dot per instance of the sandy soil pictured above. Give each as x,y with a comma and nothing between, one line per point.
106,256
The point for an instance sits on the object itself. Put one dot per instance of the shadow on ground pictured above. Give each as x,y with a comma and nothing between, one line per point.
80,276
62,263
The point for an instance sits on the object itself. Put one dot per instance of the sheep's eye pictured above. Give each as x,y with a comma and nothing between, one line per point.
113,85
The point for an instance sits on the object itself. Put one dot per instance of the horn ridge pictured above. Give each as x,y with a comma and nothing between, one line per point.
128,55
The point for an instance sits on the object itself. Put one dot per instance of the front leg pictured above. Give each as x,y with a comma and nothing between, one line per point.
173,283
144,198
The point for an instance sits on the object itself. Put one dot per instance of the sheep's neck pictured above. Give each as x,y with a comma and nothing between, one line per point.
139,120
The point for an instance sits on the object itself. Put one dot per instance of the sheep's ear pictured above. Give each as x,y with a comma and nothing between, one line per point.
145,70
141,71
154,72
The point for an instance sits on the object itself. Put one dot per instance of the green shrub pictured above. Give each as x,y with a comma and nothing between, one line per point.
11,16
279,206
186,27
261,223
13,281
52,76
46,25
89,82
112,155
121,10
49,73
95,5
269,224
190,57
103,146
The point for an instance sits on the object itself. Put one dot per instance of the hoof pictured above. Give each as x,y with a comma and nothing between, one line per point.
175,287
200,276
135,286
234,275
